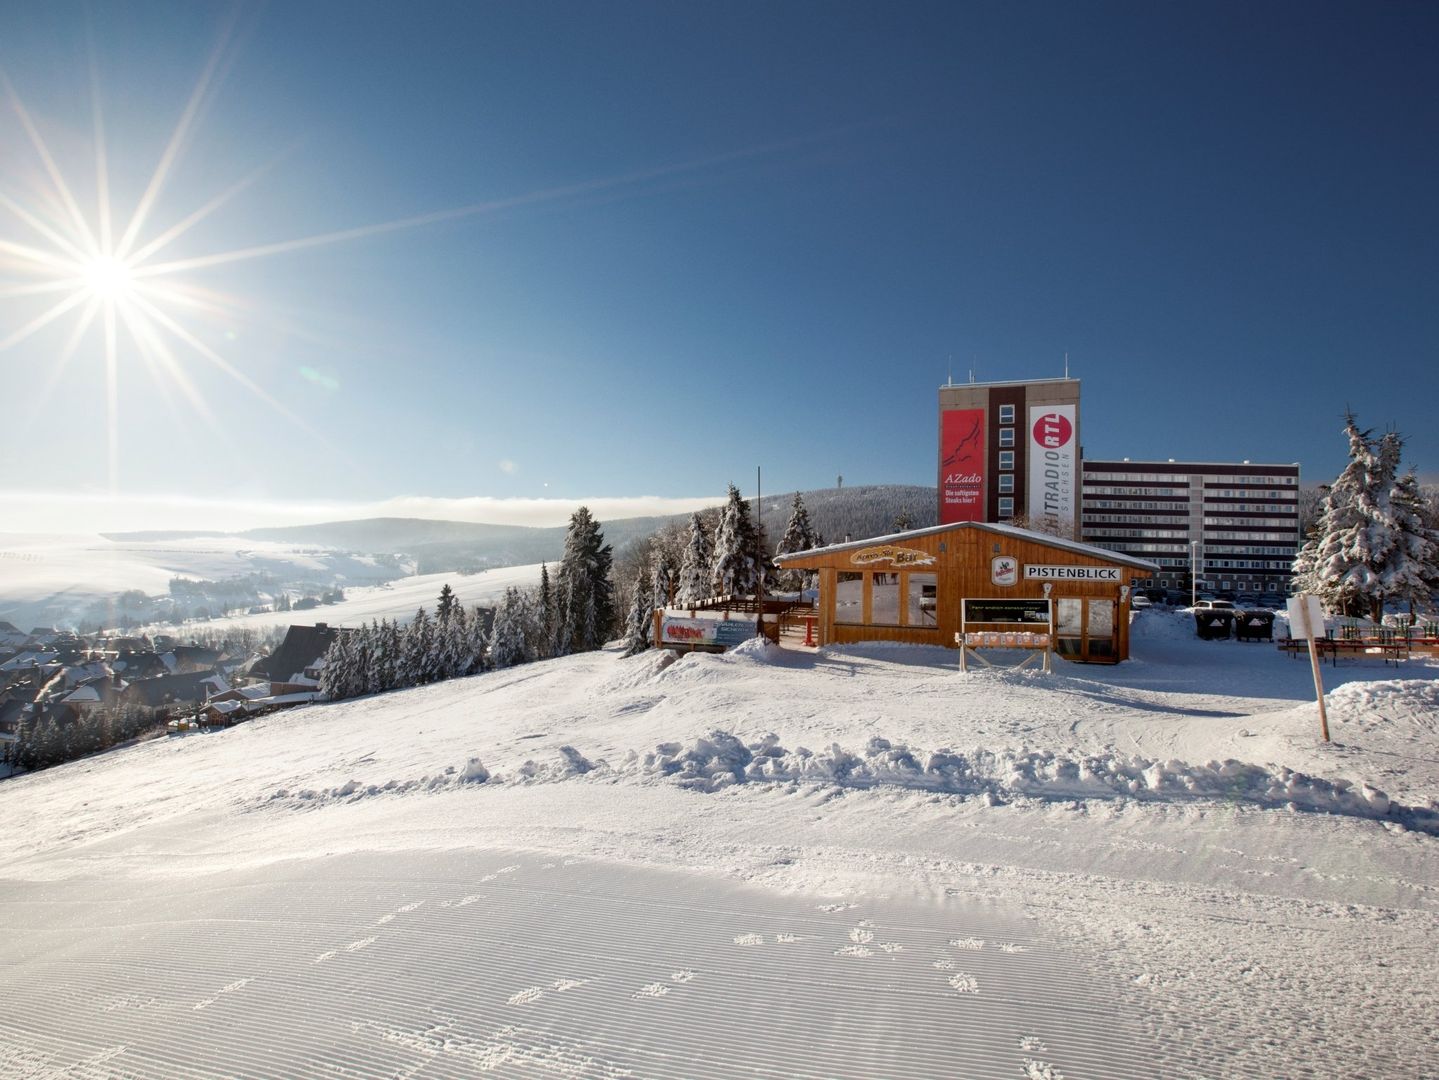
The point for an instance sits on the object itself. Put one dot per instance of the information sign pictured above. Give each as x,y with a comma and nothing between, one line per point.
1006,611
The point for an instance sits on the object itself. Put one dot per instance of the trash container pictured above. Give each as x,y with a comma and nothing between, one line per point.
1213,625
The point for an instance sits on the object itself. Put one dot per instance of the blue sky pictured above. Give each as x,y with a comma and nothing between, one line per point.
702,238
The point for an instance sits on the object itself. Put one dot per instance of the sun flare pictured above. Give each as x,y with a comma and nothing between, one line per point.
108,279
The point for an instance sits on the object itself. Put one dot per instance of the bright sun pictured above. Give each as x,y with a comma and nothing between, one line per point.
108,278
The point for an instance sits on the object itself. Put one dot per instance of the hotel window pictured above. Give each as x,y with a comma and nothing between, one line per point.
1006,436
1006,483
1006,508
1006,459
1006,414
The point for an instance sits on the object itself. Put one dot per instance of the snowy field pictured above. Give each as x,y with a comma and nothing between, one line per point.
396,599
52,580
852,864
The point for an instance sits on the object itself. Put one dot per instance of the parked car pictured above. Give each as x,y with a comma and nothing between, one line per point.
1273,601
1246,600
1139,600
1214,605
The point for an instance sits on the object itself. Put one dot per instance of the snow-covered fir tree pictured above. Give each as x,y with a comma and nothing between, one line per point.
1361,552
1411,574
507,639
588,612
798,536
545,611
641,626
662,574
446,604
693,583
738,557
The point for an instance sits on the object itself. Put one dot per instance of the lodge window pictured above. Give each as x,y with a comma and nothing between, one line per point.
884,599
1006,508
848,597
1006,459
1006,414
1006,436
922,600
1006,482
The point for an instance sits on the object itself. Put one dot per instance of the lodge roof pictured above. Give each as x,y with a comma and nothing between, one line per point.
1012,531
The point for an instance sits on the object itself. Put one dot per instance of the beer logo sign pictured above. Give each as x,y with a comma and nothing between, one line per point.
1053,430
1004,570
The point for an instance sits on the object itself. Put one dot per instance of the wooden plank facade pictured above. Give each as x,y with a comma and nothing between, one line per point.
908,587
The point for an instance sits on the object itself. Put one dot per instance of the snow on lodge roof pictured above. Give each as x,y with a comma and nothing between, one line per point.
998,529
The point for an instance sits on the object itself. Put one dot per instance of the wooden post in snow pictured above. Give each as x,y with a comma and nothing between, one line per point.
1307,616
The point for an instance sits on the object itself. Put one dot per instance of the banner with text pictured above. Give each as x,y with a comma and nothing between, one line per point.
1053,468
961,465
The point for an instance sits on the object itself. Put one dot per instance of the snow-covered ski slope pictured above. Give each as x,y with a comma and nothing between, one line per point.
859,863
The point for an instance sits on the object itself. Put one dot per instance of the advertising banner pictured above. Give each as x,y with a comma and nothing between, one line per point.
724,633
961,465
1053,467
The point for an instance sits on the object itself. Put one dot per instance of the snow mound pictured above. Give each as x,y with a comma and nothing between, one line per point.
1410,705
722,760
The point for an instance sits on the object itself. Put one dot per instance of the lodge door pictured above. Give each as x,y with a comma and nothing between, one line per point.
1084,630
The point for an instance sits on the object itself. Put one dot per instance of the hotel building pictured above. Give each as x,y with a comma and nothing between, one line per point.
1237,523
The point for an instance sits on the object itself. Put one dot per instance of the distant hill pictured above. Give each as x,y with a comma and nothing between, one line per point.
437,546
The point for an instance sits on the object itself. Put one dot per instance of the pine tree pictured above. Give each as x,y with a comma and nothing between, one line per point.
662,577
736,568
507,642
641,617
1412,570
446,604
1344,560
693,584
798,536
477,646
584,580
545,606
419,638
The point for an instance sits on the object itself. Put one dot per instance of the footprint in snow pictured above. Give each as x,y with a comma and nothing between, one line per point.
963,983
1040,1070
854,950
1011,947
943,965
325,956
356,946
683,975
832,908
1032,1045
786,939
749,939
561,985
861,936
967,943
238,984
525,996
651,990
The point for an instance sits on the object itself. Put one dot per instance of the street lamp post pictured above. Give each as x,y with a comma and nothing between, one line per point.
1193,572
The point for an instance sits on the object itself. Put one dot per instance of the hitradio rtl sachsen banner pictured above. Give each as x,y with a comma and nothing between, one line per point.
1053,466
961,464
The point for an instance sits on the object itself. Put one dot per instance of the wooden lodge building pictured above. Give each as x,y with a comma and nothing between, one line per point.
923,586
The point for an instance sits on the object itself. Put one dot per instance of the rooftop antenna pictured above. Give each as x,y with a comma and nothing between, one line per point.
951,370
1066,365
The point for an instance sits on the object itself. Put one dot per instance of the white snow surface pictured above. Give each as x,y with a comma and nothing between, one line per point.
851,863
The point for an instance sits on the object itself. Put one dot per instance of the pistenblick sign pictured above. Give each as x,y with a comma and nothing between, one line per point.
1071,573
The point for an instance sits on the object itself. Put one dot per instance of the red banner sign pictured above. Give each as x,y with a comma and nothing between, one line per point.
961,465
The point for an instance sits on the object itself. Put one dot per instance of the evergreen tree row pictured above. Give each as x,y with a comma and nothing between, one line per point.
45,742
574,612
